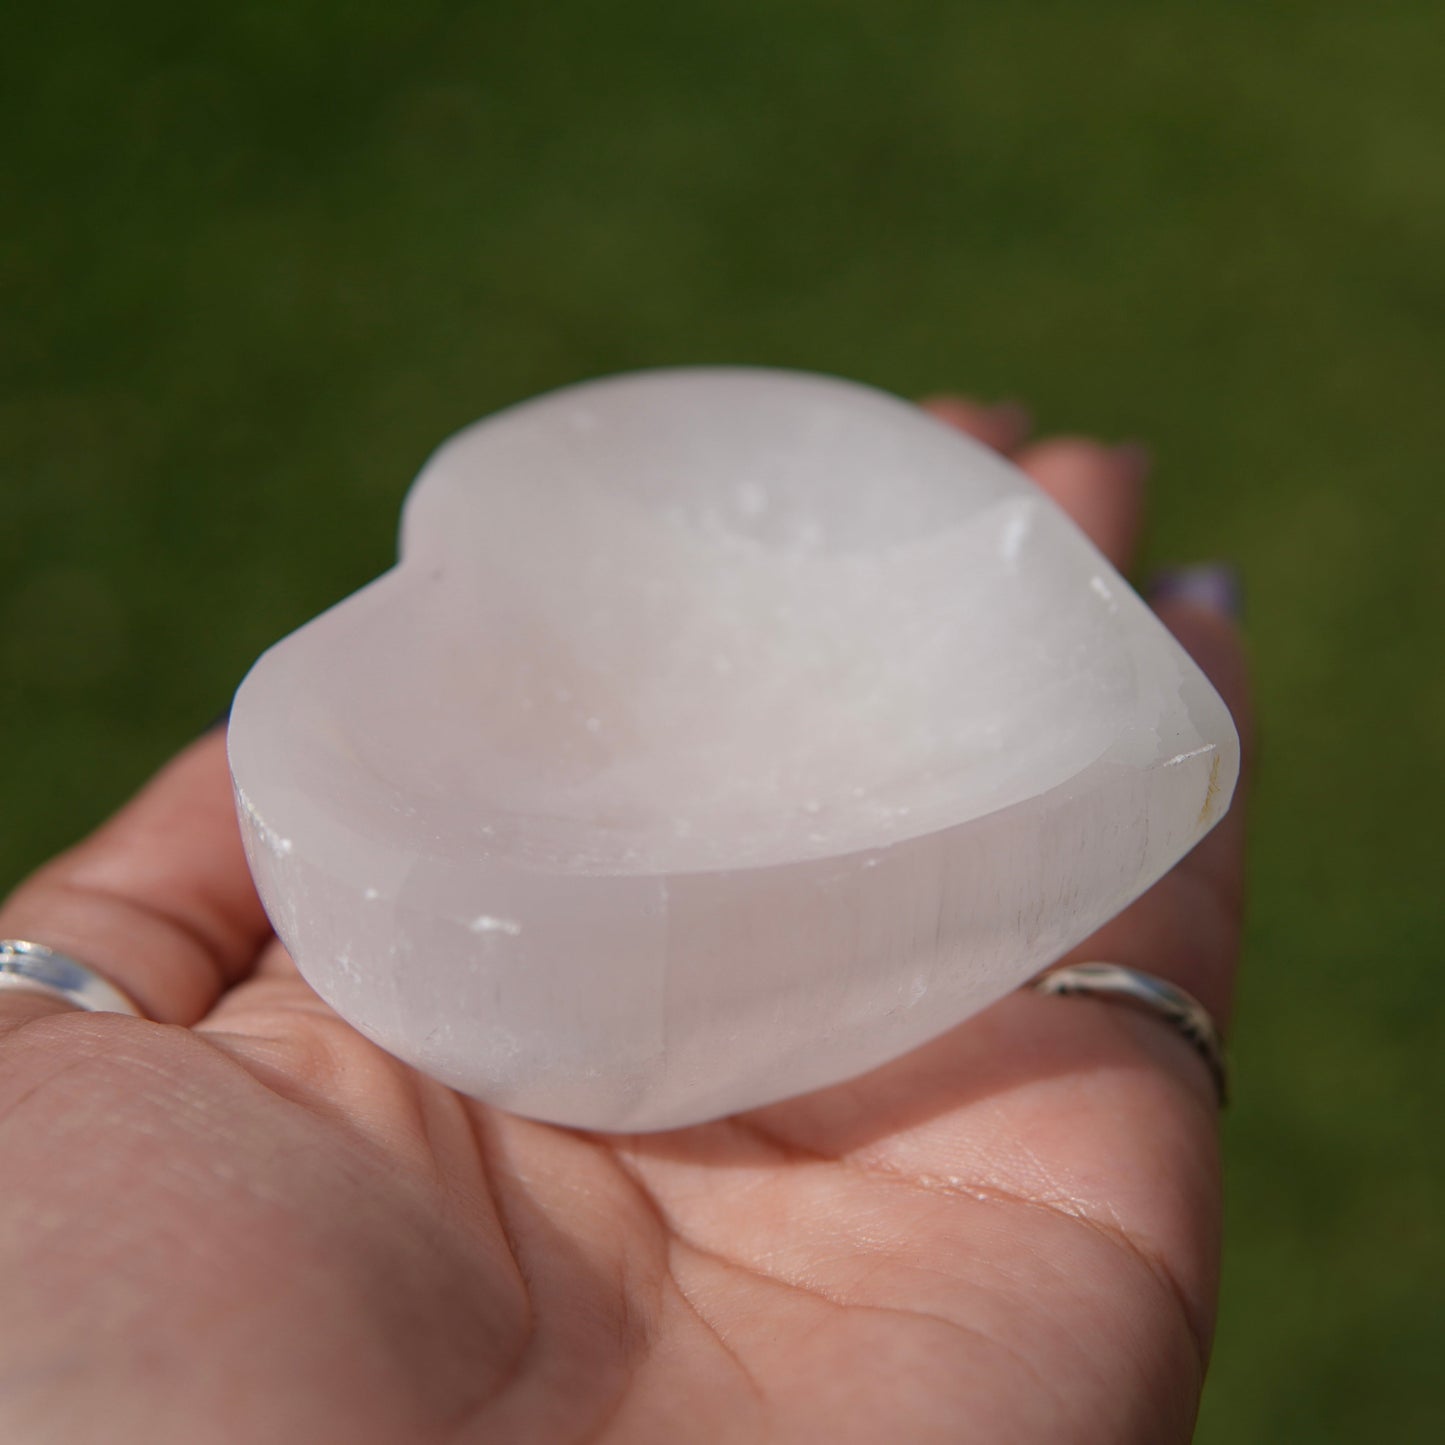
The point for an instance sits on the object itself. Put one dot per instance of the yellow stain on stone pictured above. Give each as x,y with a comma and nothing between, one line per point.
1211,792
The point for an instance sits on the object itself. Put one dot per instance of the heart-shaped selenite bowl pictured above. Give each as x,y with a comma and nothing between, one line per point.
719,735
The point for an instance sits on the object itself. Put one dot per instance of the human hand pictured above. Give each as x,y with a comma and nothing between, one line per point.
244,1222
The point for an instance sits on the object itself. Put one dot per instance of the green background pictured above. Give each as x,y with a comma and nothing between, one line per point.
255,264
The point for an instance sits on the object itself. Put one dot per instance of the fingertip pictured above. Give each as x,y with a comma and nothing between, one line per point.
1014,415
1101,488
1001,425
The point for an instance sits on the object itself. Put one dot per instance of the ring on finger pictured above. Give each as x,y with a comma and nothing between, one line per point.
34,968
1154,995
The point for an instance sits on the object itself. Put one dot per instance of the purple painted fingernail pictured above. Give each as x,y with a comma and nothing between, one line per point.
1212,585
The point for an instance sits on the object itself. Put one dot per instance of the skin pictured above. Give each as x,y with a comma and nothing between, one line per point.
243,1222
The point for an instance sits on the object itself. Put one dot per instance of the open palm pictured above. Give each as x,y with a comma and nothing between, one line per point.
246,1223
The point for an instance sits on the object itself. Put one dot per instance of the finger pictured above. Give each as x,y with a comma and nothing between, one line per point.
1100,487
159,900
1002,426
270,1002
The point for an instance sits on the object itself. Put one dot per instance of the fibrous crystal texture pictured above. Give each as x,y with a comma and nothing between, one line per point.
719,735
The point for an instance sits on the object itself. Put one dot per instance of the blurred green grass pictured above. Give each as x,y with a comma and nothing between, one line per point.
256,263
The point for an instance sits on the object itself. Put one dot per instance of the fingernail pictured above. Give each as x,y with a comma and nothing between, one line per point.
1214,586
1135,457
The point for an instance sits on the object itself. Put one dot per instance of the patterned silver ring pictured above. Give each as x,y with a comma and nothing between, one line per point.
37,969
1155,995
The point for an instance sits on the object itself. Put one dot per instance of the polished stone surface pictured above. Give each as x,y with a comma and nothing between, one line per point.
720,734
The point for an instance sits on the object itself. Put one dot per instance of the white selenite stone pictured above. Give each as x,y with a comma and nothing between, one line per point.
720,734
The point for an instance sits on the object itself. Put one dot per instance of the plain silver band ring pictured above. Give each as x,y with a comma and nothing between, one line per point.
1156,995
37,969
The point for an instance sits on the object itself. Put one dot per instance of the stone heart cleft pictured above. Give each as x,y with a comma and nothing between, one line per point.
721,734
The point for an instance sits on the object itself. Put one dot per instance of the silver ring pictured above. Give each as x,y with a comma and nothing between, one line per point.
38,969
1156,995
